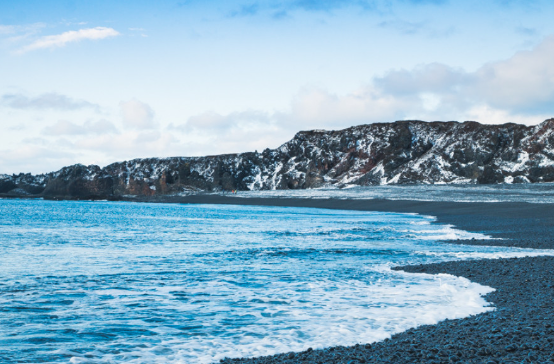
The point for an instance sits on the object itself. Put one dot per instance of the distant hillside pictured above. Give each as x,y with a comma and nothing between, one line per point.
403,152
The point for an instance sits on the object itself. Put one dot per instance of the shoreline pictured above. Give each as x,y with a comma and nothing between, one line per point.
519,224
520,330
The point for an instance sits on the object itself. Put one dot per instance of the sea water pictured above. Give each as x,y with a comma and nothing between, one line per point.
115,282
529,192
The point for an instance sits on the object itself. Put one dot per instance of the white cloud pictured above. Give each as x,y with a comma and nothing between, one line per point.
434,77
523,82
490,115
250,119
131,144
35,158
214,133
101,127
207,120
64,127
39,155
17,127
521,86
316,108
49,100
7,29
137,114
72,36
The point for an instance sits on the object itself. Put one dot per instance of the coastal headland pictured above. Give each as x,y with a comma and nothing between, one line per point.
520,330
399,153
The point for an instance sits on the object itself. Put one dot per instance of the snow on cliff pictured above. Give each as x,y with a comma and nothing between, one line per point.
386,153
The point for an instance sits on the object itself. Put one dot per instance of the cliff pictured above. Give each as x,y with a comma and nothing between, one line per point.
402,152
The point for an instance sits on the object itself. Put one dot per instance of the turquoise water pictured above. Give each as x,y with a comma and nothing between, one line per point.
112,282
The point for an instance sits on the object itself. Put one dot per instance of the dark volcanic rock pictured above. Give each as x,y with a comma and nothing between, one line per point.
386,153
7,185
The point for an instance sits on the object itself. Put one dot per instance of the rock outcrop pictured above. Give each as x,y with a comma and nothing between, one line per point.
403,152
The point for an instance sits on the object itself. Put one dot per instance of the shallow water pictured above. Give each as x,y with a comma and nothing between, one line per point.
532,192
108,282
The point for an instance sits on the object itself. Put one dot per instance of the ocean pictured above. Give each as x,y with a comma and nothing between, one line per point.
119,282
530,192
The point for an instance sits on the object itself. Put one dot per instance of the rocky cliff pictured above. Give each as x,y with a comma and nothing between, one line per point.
386,153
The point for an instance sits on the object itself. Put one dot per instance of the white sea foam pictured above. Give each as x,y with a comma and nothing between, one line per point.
516,253
534,193
446,232
309,314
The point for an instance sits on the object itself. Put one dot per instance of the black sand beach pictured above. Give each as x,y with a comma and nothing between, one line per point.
520,330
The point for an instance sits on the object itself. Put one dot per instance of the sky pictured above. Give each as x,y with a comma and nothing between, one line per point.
101,81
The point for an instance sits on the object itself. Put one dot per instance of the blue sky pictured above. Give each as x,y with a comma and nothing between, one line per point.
102,81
